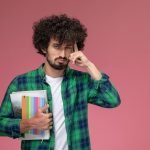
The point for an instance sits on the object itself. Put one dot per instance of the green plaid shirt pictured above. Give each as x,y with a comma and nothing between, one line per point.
78,89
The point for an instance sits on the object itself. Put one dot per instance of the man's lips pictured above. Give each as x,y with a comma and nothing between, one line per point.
60,60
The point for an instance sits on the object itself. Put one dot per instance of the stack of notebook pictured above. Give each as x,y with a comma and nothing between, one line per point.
25,105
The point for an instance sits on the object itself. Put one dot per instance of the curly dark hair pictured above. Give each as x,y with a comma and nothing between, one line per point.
60,27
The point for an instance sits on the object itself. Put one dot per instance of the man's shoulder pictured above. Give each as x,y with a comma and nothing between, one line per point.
28,74
26,80
32,74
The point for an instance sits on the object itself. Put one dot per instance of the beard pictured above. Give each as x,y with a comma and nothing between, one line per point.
60,65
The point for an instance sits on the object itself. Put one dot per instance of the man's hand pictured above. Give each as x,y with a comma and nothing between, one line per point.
41,121
79,59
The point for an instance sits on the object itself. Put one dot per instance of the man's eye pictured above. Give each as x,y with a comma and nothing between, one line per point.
56,46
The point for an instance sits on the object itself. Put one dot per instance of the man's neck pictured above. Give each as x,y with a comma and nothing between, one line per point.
52,72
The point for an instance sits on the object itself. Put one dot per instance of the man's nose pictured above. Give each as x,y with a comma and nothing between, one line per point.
63,53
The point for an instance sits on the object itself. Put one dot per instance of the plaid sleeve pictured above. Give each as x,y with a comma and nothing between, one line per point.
9,126
103,93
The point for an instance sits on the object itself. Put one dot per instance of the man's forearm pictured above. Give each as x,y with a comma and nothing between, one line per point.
10,127
93,71
24,126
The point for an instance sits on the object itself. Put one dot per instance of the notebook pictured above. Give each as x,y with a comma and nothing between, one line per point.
25,105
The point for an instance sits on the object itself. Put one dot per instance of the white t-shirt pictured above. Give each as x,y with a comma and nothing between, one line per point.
58,113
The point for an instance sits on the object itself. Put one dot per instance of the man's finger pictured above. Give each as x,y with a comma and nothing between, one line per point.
44,109
75,47
48,115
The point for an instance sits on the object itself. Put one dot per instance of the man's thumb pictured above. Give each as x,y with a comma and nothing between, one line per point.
44,109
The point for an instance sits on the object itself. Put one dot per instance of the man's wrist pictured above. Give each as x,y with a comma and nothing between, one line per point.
24,125
88,65
93,71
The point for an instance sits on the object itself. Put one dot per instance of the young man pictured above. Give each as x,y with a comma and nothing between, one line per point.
60,39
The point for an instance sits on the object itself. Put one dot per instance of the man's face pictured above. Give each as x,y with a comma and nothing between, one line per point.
58,55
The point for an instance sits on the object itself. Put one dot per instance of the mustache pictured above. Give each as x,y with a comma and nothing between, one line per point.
64,58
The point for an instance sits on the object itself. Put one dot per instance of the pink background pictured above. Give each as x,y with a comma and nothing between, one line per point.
118,43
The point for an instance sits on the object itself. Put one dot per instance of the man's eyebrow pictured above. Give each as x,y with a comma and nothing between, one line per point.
56,44
70,45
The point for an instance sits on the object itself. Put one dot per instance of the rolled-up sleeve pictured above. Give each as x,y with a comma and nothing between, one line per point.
103,93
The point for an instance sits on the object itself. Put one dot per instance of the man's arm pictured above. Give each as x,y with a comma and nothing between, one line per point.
93,71
9,126
79,59
14,127
101,91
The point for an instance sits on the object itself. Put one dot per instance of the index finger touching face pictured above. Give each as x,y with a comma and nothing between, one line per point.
75,47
